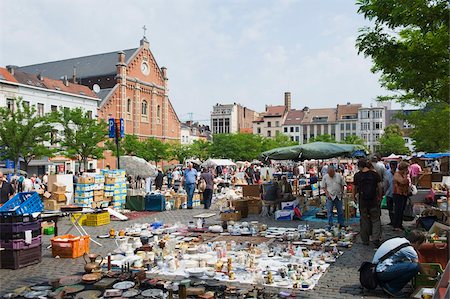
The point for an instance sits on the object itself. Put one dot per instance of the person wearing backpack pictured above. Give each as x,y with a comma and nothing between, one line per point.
395,271
367,191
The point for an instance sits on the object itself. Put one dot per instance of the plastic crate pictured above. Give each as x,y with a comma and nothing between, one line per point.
98,219
49,230
21,235
430,281
17,218
15,259
20,243
70,246
19,227
81,221
23,203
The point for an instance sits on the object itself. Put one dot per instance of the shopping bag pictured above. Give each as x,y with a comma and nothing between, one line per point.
408,214
384,203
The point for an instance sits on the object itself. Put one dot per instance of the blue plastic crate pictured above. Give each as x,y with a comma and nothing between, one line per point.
23,203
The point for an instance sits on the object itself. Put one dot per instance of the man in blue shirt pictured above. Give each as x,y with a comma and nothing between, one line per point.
190,179
396,271
390,190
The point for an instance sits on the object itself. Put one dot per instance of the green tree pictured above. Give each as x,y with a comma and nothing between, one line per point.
353,139
391,142
200,149
322,138
81,135
155,150
130,145
431,128
280,140
408,44
23,133
238,146
179,152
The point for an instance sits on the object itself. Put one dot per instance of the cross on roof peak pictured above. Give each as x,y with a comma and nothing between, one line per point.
145,29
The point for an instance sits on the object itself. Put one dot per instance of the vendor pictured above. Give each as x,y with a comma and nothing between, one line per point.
395,272
284,189
333,184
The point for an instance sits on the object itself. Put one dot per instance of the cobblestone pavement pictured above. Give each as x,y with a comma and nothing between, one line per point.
340,281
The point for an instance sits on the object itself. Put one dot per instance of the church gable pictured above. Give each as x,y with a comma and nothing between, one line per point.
143,66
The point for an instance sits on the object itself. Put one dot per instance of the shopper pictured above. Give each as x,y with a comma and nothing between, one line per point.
396,271
27,184
400,194
159,180
176,176
169,178
414,171
209,187
390,189
190,180
367,192
6,190
333,184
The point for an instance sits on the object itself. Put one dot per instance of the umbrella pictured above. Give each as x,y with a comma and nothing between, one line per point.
136,166
314,150
218,162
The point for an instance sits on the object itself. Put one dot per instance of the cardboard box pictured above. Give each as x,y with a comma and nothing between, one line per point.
86,180
110,181
98,197
232,216
99,193
59,196
254,206
52,205
40,191
251,190
47,195
59,187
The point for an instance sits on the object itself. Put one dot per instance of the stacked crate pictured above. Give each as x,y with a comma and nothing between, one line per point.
99,190
21,238
115,185
84,191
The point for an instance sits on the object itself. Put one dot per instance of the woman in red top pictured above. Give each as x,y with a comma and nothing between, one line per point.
400,194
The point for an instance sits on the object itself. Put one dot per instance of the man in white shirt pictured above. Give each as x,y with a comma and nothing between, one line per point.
397,270
333,184
301,170
27,184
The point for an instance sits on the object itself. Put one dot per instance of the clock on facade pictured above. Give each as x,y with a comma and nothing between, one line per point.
145,69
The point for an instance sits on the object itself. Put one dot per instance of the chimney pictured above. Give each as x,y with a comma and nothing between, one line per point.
74,75
65,81
40,78
121,56
287,101
144,43
11,69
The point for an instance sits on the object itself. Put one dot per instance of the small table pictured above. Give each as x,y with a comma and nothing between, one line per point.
75,220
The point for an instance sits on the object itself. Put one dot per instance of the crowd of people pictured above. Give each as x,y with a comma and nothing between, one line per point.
20,183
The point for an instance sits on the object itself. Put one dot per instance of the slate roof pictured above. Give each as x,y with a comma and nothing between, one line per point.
294,117
86,66
275,110
311,114
47,83
347,110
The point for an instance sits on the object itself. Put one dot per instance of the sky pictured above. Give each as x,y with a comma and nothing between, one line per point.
248,51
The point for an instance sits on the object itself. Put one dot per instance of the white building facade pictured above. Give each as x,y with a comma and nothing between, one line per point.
47,95
372,122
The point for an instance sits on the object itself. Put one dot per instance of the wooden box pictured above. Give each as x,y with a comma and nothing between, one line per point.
231,216
59,196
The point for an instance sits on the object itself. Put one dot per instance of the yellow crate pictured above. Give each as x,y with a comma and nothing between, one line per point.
98,219
81,221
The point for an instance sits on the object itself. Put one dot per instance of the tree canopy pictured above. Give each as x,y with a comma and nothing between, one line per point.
408,44
23,133
323,138
391,142
81,135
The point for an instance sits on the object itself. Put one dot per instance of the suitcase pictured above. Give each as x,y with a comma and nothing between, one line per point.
155,202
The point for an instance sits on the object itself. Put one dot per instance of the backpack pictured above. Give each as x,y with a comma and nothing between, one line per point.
367,270
367,187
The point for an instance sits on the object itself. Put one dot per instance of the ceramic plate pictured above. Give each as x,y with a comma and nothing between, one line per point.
36,294
41,288
131,293
92,294
124,285
153,293
69,280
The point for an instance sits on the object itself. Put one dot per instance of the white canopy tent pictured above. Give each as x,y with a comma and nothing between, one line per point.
218,162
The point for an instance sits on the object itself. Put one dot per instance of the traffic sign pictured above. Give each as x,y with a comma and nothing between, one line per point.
111,128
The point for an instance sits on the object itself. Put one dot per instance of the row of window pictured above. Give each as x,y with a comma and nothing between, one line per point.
40,107
221,125
348,126
269,124
367,137
144,108
365,126
375,114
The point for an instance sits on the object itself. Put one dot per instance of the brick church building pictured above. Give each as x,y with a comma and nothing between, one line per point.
130,85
